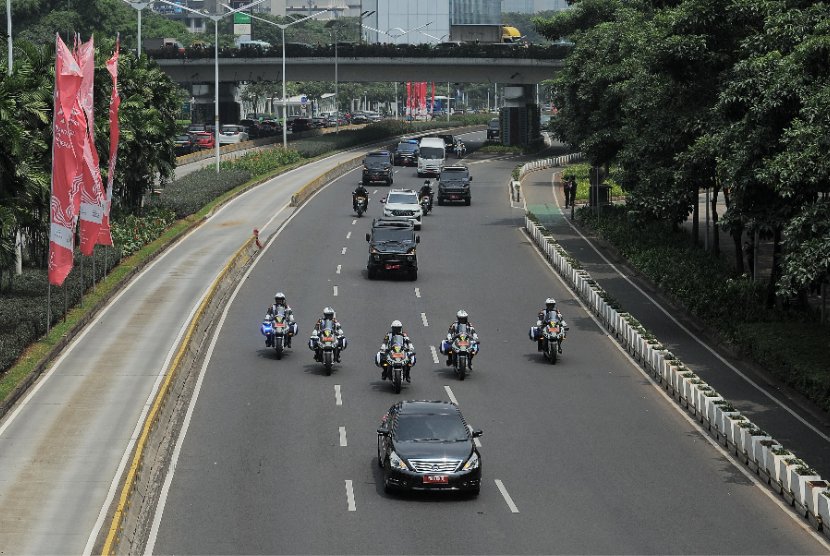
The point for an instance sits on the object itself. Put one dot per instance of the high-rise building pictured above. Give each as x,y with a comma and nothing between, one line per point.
396,20
475,12
532,6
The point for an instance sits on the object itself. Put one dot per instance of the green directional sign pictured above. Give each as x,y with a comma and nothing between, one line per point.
241,18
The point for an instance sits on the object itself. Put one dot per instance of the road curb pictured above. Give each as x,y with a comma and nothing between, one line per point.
803,493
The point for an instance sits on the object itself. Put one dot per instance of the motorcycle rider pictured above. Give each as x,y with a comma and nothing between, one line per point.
550,313
461,317
426,189
328,315
360,191
279,301
396,329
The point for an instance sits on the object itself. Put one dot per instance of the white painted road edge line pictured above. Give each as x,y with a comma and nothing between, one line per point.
769,494
424,319
343,252
434,354
506,496
342,436
168,480
417,292
335,291
338,400
450,394
338,269
350,496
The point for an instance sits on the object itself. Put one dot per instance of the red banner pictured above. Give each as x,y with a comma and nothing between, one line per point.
432,104
93,197
104,236
63,211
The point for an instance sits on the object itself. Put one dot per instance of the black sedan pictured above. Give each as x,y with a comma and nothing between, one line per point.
427,445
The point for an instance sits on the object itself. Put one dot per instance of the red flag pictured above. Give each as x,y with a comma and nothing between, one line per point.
104,236
63,214
93,197
422,99
432,104
408,98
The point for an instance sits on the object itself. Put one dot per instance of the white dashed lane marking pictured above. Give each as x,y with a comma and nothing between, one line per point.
338,400
354,222
338,269
348,235
417,292
450,395
434,354
350,496
335,291
343,252
506,496
342,436
424,319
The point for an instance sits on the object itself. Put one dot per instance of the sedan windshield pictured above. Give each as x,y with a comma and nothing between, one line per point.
435,428
432,153
402,199
407,147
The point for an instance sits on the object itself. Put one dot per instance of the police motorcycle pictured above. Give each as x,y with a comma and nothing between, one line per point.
425,198
460,149
360,203
396,362
326,345
277,330
550,335
461,349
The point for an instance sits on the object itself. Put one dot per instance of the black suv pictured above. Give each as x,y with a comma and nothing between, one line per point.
449,142
392,247
406,153
454,185
493,130
377,166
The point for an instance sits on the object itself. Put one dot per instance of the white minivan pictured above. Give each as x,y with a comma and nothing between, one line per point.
432,156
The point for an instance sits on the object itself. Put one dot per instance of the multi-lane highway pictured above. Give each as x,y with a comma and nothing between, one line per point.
586,456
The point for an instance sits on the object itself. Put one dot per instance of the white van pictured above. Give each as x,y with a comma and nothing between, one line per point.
432,156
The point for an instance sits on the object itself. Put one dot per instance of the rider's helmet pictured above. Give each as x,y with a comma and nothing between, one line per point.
550,304
279,298
328,313
461,316
397,327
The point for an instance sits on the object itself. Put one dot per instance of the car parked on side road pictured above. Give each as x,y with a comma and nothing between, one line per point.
232,134
427,445
186,143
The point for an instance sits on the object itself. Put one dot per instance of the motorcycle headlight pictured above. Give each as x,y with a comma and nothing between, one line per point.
472,463
396,462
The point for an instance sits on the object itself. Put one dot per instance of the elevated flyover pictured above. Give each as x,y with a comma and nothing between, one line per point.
514,71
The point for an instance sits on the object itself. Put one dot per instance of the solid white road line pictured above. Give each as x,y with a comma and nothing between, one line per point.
506,496
342,436
417,292
434,354
451,395
424,319
350,496
335,291
343,252
338,269
348,235
338,400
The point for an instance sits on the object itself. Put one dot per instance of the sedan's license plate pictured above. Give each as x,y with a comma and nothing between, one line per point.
436,479
393,266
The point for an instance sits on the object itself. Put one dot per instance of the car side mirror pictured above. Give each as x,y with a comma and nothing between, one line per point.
368,236
383,432
477,433
471,178
383,199
417,239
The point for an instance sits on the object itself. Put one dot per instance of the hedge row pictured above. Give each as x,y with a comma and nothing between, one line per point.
793,346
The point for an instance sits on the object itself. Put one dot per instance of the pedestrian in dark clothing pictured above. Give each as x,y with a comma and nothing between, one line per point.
573,190
566,190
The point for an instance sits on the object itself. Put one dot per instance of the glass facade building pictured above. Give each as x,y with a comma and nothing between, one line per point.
393,18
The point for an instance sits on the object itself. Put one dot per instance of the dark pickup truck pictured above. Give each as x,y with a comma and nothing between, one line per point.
392,248
454,185
493,130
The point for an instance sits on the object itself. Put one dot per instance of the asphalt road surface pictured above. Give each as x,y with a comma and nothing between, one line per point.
586,456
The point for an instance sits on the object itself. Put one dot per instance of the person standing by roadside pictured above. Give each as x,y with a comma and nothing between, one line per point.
566,189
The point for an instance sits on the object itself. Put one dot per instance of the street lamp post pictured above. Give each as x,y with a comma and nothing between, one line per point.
9,31
334,25
140,6
215,18
283,27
